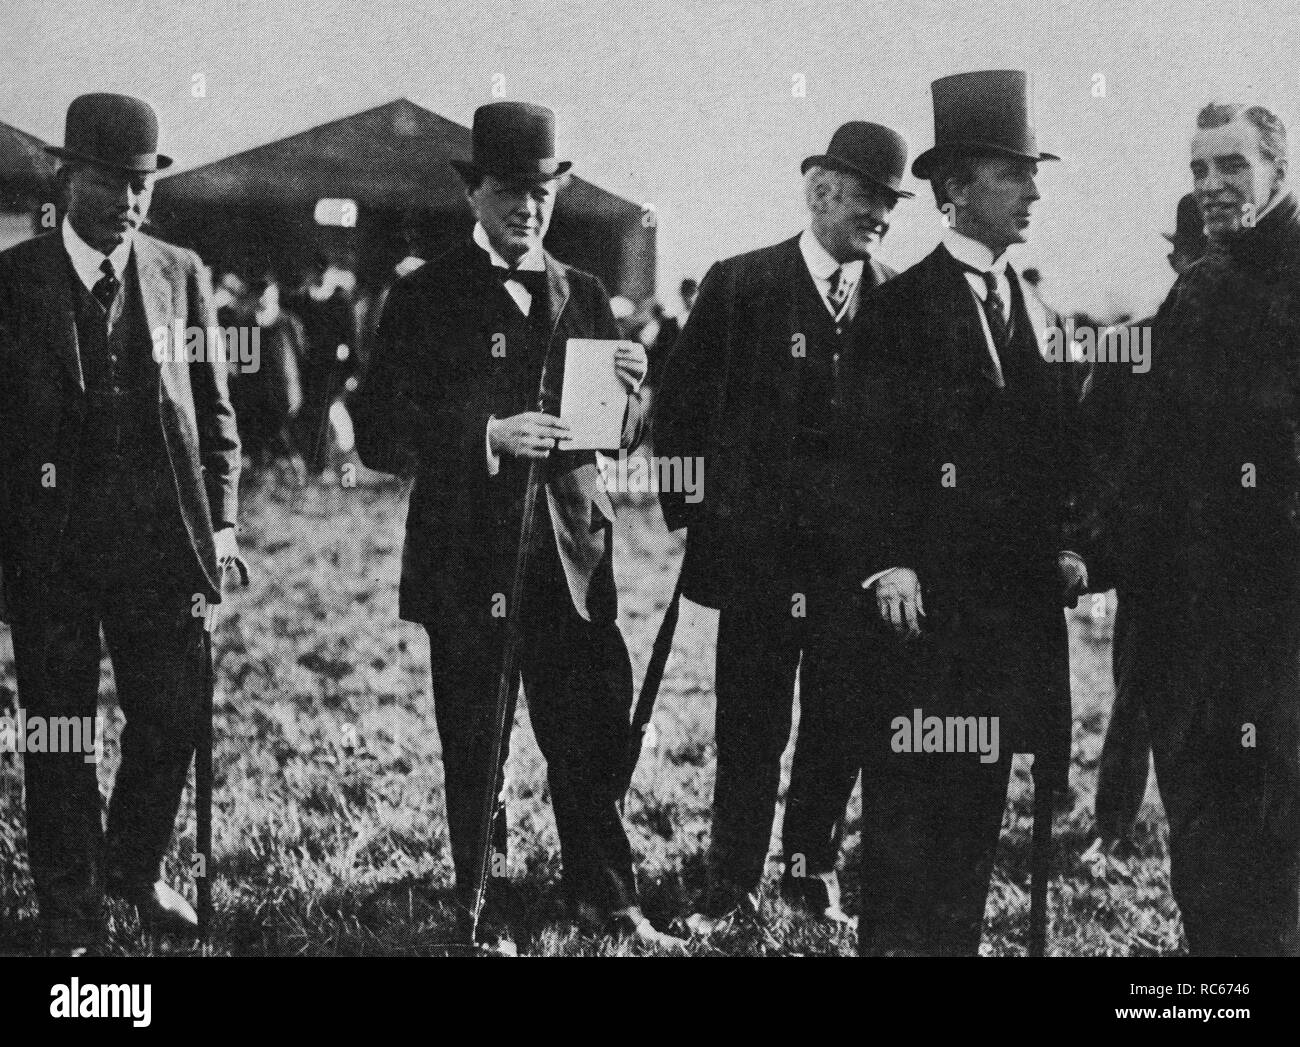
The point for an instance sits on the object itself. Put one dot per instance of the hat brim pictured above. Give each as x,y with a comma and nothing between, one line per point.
472,172
835,163
923,164
160,162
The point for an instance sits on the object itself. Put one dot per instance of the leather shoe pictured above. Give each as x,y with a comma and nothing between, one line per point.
160,908
817,896
634,923
717,914
62,951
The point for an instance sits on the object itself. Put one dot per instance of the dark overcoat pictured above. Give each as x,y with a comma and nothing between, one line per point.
43,406
423,411
730,396
973,487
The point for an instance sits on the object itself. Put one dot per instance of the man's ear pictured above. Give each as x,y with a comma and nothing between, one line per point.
958,193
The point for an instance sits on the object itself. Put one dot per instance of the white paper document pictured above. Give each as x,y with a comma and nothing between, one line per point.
593,402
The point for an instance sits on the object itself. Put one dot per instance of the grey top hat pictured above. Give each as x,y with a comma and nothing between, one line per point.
873,151
115,131
513,140
985,111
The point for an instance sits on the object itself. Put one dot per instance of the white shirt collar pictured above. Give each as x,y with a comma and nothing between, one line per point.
534,261
973,253
87,261
1282,190
821,264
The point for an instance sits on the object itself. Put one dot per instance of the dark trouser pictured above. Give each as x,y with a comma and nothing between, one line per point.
128,567
932,821
1126,756
153,641
577,680
761,646
929,839
1222,694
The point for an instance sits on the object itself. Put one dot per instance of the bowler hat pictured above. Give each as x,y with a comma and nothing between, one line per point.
985,111
116,131
513,140
1189,228
870,150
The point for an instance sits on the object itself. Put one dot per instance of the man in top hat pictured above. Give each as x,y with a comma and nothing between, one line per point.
1204,534
966,466
753,391
118,489
463,393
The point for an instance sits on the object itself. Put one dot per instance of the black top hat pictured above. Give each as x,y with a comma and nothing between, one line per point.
870,150
986,111
513,140
1189,228
117,131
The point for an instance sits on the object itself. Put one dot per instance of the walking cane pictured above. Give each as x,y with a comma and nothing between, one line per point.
203,761
1040,865
507,686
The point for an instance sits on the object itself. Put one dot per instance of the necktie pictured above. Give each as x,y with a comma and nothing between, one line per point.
996,315
533,280
105,289
839,291
996,311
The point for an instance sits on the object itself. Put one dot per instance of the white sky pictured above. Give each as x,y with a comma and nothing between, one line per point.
688,106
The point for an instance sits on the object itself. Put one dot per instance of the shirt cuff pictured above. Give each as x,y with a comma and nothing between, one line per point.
1079,562
493,460
876,577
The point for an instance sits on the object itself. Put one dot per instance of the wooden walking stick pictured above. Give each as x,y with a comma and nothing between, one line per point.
507,685
1040,865
203,760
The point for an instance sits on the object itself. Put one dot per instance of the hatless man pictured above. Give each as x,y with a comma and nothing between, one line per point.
118,495
464,393
753,390
966,463
1205,534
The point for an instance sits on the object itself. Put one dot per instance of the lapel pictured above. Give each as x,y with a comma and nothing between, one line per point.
558,285
801,282
879,275
1039,320
960,321
55,291
154,286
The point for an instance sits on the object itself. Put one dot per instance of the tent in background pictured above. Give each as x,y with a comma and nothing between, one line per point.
26,183
389,191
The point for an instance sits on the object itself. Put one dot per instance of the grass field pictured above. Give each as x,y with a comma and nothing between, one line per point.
329,828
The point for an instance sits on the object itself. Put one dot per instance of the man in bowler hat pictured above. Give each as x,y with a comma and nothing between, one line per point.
463,393
966,465
753,389
118,489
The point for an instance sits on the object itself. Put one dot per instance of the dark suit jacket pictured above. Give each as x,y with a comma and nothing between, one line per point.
985,547
42,405
423,411
730,395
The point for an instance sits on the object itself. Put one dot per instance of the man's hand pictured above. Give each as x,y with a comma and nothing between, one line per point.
631,364
1074,577
528,435
898,599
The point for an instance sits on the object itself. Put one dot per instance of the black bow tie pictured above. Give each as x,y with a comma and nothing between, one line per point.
533,280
